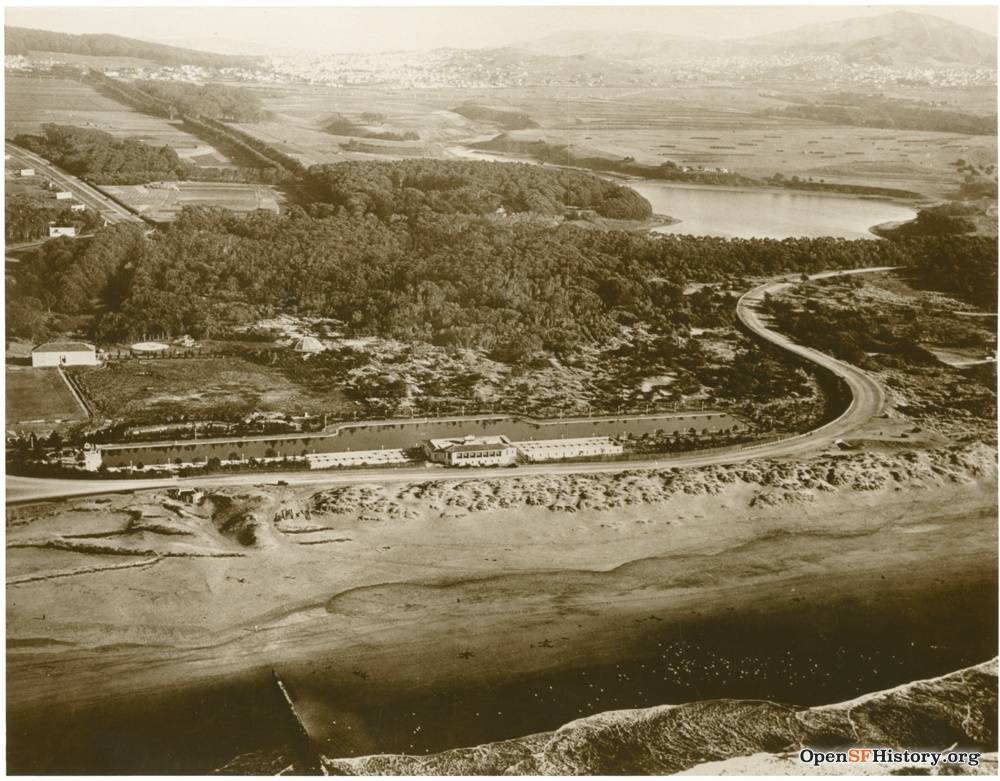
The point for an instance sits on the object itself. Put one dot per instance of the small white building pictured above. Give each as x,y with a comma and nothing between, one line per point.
64,195
472,451
92,458
27,172
77,207
64,354
61,230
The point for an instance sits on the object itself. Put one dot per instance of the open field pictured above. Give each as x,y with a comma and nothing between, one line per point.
33,102
724,128
40,395
720,126
161,201
150,390
15,184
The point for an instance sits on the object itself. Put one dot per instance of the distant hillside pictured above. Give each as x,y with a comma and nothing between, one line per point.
23,40
629,46
898,38
901,38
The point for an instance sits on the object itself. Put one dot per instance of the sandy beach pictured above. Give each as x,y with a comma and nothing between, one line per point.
454,589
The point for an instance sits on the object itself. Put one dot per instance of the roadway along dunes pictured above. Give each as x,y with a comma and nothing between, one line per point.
868,400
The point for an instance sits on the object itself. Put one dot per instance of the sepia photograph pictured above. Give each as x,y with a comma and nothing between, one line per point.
484,390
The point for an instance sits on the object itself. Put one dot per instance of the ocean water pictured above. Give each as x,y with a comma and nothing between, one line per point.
800,655
796,656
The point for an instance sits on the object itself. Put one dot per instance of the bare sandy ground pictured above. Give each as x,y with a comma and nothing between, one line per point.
467,581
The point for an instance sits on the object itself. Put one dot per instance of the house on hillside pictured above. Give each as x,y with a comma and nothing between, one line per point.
64,354
471,451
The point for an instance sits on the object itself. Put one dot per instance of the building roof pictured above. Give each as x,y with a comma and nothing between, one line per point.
470,444
478,448
64,347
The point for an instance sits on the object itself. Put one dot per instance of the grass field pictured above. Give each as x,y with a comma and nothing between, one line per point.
163,201
724,127
201,388
40,395
719,126
301,112
33,102
15,184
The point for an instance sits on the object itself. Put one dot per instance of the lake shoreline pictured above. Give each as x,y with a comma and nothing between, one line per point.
769,212
901,198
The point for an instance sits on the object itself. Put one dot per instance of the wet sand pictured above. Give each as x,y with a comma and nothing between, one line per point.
373,632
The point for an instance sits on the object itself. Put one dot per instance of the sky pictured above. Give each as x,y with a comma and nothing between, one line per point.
272,30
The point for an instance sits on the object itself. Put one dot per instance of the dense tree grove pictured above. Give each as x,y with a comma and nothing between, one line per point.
851,108
413,187
849,334
102,158
506,119
259,161
28,218
76,276
966,267
342,126
942,220
515,288
211,101
22,40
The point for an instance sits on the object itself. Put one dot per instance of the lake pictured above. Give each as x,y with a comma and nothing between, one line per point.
766,214
762,213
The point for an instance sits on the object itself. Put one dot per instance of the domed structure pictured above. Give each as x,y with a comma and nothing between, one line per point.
309,344
149,347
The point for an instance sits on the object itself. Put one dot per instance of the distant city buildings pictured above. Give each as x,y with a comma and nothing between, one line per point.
477,69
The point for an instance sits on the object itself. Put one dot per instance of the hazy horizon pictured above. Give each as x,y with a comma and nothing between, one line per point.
319,30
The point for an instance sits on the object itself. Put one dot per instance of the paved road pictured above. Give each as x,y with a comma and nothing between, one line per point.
868,401
83,192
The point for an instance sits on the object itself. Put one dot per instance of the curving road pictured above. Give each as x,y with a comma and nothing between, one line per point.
86,194
868,400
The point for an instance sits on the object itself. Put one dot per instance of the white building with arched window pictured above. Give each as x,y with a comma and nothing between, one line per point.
64,354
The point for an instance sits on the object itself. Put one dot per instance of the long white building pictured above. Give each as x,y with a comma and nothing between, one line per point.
64,354
556,449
